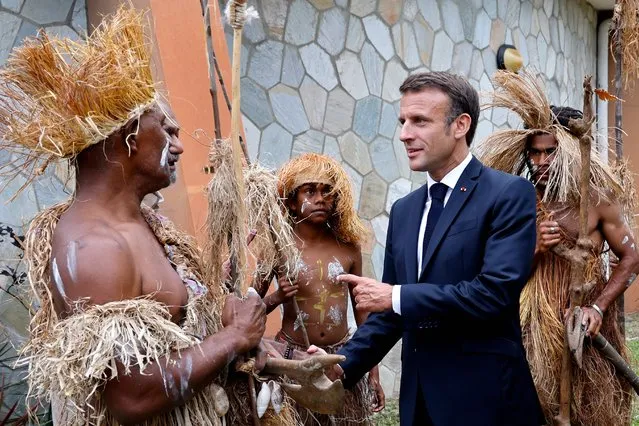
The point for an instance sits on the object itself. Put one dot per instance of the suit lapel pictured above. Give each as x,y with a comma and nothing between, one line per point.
413,222
461,193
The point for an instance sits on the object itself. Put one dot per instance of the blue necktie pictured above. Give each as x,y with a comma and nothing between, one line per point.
437,194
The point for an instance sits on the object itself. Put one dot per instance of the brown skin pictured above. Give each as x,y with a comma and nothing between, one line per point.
105,223
432,146
321,298
605,223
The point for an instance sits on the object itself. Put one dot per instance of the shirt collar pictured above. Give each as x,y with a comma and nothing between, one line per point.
451,178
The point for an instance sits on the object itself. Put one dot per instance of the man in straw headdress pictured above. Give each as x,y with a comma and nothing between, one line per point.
126,331
319,202
548,154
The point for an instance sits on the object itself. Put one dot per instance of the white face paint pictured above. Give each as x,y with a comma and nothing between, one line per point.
335,269
335,314
625,240
165,153
305,204
58,279
72,260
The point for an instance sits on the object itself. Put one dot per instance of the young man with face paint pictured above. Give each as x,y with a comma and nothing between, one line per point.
319,200
548,154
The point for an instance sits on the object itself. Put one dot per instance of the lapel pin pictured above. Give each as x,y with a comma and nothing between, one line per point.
463,189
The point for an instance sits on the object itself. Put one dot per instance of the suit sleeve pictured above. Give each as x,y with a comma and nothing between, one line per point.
379,333
507,263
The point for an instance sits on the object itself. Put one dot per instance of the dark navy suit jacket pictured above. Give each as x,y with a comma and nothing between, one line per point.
459,324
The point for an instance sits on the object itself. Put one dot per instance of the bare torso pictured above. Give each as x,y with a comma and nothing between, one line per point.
322,301
84,225
568,218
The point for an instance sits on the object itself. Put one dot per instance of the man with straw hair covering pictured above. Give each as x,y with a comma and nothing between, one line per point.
126,332
548,154
319,203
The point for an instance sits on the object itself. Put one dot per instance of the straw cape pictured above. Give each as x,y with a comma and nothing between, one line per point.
317,168
58,97
599,396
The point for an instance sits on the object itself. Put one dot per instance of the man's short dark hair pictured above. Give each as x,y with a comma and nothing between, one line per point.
463,97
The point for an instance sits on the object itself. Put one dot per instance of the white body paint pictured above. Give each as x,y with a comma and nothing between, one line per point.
299,321
335,314
335,269
72,260
58,279
185,375
625,240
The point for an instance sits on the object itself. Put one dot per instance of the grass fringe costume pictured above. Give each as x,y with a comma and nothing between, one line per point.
600,397
57,97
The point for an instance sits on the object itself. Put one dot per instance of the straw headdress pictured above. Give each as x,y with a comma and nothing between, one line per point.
506,149
59,96
316,168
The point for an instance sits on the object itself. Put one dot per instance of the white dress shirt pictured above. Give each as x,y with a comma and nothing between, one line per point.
450,180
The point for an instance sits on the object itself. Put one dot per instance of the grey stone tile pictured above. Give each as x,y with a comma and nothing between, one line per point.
430,12
331,148
355,152
393,78
275,146
406,45
443,52
544,25
548,5
500,116
490,6
497,34
481,39
319,66
351,75
266,63
332,31
400,155
356,184
552,62
62,31
293,68
373,65
522,46
255,104
542,50
476,65
51,11
339,112
355,37
311,141
27,29
275,17
323,4
452,21
379,35
253,135
461,58
373,196
425,39
484,129
48,191
378,266
380,228
410,10
512,13
254,29
383,156
468,17
363,8
388,122
13,5
398,189
9,27
79,18
525,17
301,23
554,34
367,113
533,54
288,109
502,9
314,99
23,207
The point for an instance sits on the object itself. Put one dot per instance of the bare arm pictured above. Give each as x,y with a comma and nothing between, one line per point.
133,398
622,243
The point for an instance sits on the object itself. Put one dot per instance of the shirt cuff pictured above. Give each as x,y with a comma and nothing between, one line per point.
397,299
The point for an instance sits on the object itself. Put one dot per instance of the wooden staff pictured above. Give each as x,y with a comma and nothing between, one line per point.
579,255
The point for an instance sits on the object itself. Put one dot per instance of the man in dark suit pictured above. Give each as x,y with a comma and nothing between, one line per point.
458,253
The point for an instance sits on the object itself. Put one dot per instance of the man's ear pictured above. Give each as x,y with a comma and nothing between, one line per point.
130,133
461,126
290,205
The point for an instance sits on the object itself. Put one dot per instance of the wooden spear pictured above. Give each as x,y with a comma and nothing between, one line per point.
579,255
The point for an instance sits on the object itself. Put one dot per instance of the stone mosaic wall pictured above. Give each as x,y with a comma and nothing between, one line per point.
20,19
323,76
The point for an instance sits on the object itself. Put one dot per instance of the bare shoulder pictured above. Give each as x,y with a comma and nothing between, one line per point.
92,260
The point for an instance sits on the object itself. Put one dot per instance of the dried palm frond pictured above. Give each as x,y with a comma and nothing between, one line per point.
626,39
